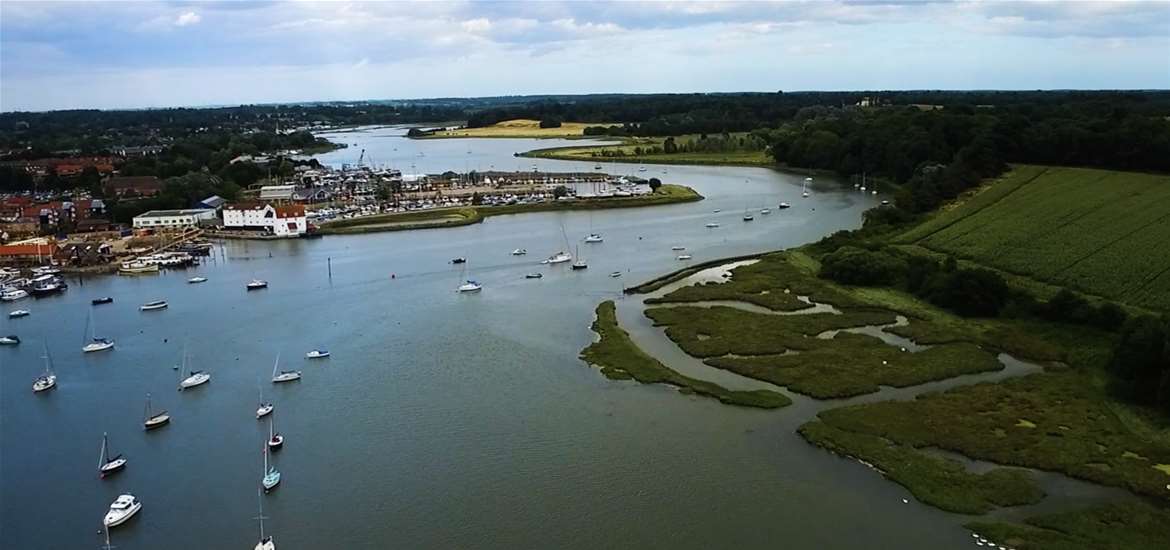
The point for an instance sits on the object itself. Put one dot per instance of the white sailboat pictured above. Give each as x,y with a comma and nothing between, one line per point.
95,343
562,256
271,475
804,187
151,419
275,440
194,378
48,380
469,285
284,375
265,408
107,464
266,543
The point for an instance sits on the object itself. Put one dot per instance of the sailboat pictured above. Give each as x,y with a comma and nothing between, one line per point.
804,188
264,408
284,375
95,343
194,378
275,440
592,237
107,464
152,419
266,543
469,285
271,475
747,216
48,380
863,181
580,263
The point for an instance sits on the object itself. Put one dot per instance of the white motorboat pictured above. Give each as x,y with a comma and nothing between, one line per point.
48,380
684,257
266,543
106,464
95,343
137,268
271,475
10,340
765,211
256,284
284,375
712,225
151,306
152,419
317,354
196,280
519,252
784,205
264,409
593,238
122,510
470,286
18,313
558,258
13,294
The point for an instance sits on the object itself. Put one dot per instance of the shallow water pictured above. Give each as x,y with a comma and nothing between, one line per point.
442,420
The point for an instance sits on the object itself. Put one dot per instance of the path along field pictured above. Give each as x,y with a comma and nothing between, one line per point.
519,128
1102,232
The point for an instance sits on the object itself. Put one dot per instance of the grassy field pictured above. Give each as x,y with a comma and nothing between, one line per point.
466,215
519,128
1114,526
935,480
1102,232
620,359
628,148
1056,421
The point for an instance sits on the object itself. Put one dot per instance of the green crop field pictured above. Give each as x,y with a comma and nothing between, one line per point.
1103,232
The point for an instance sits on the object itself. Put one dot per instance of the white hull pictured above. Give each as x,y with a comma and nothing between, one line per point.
152,307
470,288
317,354
286,377
46,383
558,259
156,421
14,295
18,313
684,257
264,410
197,280
97,346
119,515
195,380
266,544
112,466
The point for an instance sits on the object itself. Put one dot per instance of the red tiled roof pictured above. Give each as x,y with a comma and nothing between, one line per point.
28,249
290,211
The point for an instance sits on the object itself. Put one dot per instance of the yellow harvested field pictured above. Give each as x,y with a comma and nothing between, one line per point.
520,128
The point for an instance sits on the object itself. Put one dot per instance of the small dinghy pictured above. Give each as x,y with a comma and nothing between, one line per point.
684,257
616,274
100,301
256,284
459,260
534,276
519,252
10,340
196,280
151,306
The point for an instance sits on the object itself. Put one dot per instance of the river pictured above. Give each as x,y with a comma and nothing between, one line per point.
441,420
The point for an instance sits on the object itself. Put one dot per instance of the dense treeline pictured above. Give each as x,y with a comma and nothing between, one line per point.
1141,362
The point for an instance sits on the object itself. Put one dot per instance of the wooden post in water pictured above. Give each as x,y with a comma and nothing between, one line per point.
329,262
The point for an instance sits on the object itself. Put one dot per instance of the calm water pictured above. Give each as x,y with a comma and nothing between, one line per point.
442,420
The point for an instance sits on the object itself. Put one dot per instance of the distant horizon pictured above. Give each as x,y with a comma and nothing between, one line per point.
157,54
582,94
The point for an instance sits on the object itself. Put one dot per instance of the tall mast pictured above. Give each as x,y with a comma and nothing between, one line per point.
102,458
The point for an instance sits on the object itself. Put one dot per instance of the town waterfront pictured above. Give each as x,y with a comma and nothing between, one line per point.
441,420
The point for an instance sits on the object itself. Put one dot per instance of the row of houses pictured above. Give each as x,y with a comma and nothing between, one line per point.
280,220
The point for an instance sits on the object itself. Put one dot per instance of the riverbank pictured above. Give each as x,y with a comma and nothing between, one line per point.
606,154
460,216
619,358
519,128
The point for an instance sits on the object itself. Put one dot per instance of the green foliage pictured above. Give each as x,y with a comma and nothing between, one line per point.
855,266
937,481
1129,525
560,191
1141,361
655,183
550,123
620,358
178,192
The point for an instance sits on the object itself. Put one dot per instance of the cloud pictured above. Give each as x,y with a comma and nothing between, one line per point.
188,18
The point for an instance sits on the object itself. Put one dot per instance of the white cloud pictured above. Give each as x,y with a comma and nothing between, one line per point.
188,18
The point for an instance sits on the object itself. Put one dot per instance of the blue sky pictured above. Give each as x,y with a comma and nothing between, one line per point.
57,55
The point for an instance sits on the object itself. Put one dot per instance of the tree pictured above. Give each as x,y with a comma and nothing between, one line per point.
560,191
655,183
550,123
856,266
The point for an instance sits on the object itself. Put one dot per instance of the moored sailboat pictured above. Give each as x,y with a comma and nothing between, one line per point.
48,380
95,343
152,419
284,375
271,475
106,464
266,543
275,440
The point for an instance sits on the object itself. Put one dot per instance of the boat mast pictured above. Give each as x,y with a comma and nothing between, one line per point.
276,364
260,497
102,459
147,411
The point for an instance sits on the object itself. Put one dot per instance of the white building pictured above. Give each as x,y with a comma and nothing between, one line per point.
282,221
167,219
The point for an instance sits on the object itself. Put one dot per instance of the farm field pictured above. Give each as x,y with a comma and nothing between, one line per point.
1102,232
627,151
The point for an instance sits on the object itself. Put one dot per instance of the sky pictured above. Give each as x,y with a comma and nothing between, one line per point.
135,54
